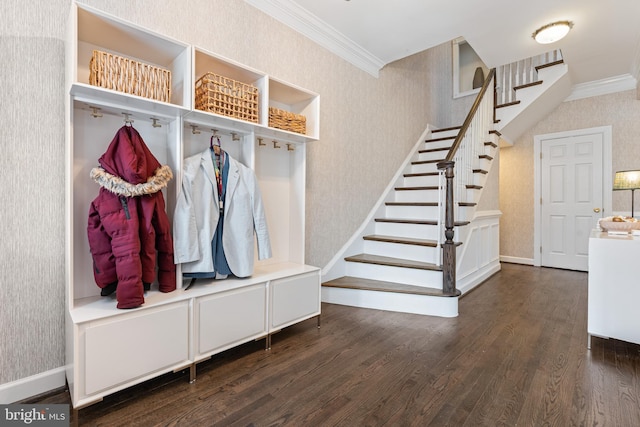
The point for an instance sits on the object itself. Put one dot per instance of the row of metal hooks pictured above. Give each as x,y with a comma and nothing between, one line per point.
196,131
261,143
96,112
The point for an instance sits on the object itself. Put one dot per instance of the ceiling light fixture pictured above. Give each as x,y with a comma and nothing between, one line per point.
553,32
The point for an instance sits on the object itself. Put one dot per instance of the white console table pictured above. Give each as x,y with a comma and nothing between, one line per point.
614,287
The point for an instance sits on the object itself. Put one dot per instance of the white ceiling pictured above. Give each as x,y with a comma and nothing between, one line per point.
604,42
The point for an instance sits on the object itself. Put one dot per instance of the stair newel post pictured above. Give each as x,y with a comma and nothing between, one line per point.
448,248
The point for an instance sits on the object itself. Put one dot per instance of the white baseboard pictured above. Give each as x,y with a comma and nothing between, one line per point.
32,386
516,260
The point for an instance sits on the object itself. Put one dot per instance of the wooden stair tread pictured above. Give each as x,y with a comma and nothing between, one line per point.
485,156
409,175
424,162
402,240
446,129
474,187
490,144
418,221
433,150
411,203
549,64
526,85
383,286
444,138
433,187
508,104
466,204
480,171
495,132
393,262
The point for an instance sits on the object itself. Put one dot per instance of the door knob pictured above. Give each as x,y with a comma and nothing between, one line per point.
596,210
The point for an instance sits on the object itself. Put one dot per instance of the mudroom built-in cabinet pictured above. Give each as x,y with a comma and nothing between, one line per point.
109,349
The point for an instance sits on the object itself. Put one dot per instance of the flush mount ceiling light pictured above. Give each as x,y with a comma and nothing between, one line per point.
553,32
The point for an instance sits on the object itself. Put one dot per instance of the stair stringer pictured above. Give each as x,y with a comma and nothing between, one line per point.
535,102
337,266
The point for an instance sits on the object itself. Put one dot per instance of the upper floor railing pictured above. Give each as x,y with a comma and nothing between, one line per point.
521,73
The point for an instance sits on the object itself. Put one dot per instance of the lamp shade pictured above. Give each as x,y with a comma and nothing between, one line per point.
627,180
553,32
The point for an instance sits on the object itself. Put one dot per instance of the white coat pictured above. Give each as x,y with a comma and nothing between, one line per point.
197,213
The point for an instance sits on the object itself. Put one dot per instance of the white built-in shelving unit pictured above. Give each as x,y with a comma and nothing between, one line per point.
110,349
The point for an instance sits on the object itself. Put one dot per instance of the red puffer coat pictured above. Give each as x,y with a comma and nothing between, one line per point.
128,224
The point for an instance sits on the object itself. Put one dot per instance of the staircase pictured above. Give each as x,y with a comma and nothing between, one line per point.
395,261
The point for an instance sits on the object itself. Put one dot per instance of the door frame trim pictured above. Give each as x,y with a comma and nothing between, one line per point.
607,179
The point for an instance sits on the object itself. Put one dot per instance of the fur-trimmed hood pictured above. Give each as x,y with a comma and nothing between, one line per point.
120,187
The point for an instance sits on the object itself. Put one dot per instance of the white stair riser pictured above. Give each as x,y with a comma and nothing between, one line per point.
412,212
392,301
403,251
408,276
407,230
420,181
484,164
447,143
432,155
423,168
416,195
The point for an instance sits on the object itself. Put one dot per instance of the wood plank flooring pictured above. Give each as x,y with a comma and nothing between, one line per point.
516,356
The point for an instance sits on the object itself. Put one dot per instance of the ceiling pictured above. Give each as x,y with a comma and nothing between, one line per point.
603,44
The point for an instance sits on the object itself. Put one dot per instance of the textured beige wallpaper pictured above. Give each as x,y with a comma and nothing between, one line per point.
367,127
32,186
620,110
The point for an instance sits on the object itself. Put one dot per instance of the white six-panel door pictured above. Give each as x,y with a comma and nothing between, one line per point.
572,195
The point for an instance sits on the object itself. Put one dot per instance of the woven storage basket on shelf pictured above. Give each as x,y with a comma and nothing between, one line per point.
285,120
129,76
227,97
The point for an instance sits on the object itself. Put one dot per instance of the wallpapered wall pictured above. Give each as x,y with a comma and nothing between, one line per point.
620,110
367,127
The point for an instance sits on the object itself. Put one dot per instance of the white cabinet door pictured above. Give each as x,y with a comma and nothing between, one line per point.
134,345
294,299
230,318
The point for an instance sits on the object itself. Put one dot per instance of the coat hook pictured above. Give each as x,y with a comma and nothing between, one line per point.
290,147
155,123
275,144
127,119
194,129
96,112
260,143
234,136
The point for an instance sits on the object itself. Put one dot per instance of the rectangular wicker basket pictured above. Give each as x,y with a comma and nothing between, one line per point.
129,76
285,120
227,97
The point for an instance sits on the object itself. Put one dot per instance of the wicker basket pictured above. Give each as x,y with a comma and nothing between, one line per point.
129,76
285,120
227,97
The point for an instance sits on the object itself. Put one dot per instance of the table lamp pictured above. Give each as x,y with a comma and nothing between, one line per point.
627,180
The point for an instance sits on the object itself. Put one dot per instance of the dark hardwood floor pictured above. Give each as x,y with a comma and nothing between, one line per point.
515,356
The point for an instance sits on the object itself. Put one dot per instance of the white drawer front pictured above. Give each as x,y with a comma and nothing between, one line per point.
294,298
231,318
141,343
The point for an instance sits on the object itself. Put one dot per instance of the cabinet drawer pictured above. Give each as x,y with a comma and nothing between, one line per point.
230,318
135,345
294,298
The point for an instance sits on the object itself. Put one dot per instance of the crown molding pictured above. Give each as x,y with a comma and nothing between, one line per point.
603,87
296,17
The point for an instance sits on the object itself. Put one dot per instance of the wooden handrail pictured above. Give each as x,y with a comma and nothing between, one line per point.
449,246
472,113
